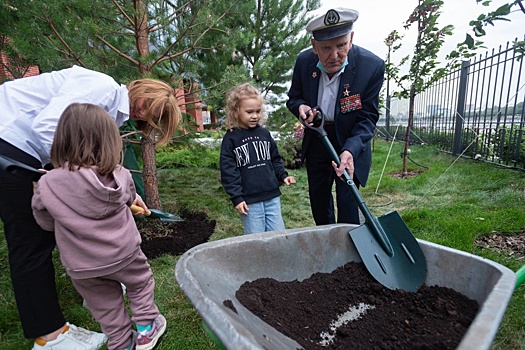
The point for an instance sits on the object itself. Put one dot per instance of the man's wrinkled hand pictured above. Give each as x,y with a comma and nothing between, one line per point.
347,163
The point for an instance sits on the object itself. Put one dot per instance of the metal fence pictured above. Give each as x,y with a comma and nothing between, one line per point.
475,111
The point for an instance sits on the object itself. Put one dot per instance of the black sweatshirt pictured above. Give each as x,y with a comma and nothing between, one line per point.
251,166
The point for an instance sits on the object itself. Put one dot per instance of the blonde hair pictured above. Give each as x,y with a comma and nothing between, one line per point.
233,102
158,97
86,136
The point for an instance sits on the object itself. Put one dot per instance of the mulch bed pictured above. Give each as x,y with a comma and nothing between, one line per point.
509,244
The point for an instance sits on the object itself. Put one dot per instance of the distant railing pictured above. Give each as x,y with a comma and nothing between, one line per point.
475,111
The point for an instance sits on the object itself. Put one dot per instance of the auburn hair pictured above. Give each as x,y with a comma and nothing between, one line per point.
163,112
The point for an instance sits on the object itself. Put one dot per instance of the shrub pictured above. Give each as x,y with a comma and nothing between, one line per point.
188,154
290,145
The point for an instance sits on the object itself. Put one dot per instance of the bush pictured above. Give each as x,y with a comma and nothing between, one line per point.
188,154
290,145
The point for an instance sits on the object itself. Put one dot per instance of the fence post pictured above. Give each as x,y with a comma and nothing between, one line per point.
460,107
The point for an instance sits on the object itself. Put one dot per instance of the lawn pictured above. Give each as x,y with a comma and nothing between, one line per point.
451,202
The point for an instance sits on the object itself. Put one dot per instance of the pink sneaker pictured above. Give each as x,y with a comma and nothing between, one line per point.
148,340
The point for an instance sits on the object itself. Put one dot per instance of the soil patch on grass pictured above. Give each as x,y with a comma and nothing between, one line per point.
409,174
174,238
348,309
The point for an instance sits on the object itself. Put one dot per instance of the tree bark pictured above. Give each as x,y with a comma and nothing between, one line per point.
149,171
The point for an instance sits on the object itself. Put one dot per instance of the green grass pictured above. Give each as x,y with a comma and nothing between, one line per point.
451,203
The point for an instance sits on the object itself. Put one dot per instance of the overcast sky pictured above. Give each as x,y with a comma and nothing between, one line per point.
377,18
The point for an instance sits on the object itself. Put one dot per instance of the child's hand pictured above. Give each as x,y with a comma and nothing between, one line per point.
35,183
140,207
242,208
289,180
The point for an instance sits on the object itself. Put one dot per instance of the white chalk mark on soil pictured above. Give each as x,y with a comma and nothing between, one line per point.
353,313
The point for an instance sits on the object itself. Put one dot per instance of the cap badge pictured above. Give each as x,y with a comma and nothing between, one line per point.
331,18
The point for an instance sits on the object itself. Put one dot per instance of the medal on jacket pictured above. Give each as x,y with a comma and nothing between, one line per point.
349,102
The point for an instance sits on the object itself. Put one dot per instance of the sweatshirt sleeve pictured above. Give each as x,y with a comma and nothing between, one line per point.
42,216
230,174
129,187
277,161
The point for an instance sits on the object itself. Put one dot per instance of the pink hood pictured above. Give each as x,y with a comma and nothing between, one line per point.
95,230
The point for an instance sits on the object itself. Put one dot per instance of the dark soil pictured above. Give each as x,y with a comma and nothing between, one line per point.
308,311
433,318
174,238
409,174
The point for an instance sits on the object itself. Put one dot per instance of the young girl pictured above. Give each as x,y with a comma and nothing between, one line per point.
85,199
251,166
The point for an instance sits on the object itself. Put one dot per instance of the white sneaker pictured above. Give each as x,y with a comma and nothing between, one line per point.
73,338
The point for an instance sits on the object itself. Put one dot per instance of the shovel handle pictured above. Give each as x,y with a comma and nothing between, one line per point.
371,221
319,128
520,274
20,169
136,209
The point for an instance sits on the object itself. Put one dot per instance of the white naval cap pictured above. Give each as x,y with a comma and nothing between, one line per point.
333,24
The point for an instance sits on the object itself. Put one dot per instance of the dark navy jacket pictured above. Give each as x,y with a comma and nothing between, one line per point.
363,76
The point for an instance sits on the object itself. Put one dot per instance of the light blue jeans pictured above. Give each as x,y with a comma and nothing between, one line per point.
263,216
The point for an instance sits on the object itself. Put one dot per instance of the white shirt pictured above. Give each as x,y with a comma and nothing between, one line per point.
327,95
30,107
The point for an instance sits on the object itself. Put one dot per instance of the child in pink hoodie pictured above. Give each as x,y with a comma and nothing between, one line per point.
85,199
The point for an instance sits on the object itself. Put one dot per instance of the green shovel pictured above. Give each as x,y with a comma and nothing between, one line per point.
19,169
157,214
388,249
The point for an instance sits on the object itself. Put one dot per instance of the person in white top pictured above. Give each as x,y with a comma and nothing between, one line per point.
29,115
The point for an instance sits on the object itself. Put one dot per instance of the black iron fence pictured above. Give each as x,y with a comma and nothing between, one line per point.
475,111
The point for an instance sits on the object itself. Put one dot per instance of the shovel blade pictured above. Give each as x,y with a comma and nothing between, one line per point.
406,268
165,216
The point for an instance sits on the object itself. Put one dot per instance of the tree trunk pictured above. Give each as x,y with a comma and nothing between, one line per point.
149,171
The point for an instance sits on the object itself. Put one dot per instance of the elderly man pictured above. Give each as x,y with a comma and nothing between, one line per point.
344,80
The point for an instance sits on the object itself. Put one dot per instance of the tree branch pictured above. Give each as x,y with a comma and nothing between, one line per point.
166,57
123,13
68,48
169,19
117,51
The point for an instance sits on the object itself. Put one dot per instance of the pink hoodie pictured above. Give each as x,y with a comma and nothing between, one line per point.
95,230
